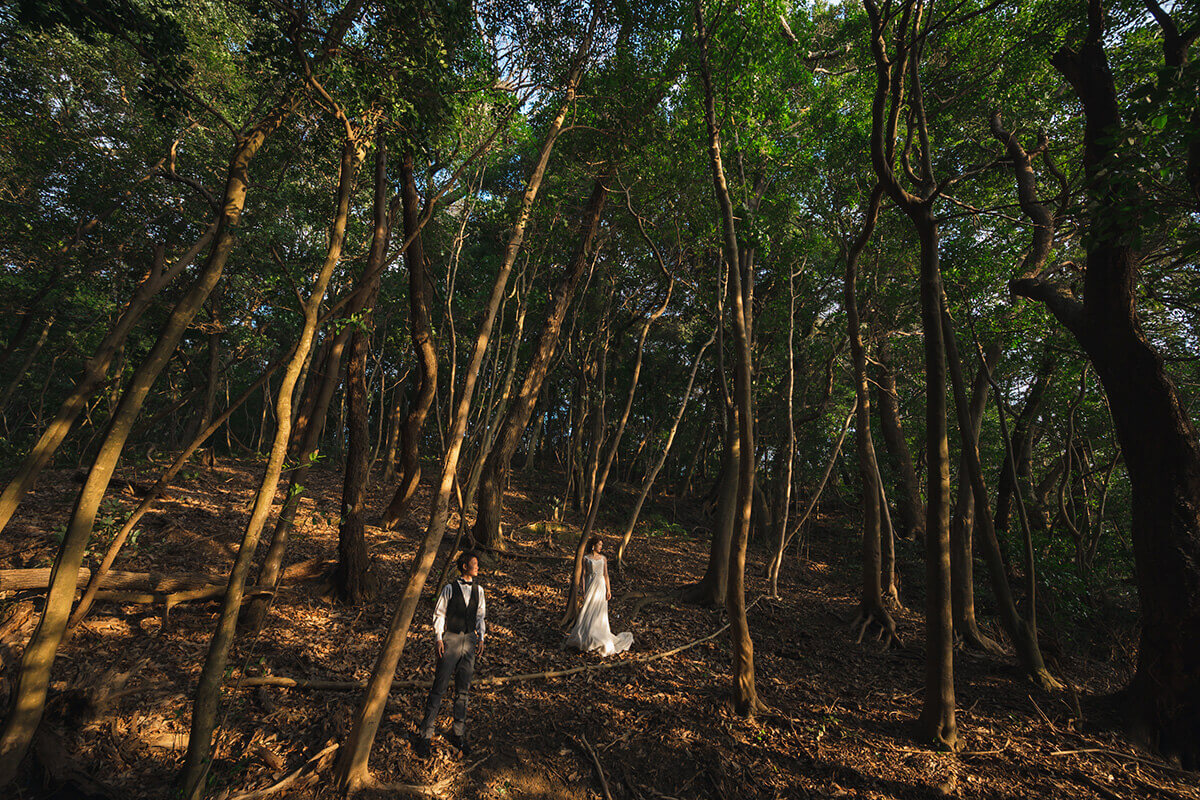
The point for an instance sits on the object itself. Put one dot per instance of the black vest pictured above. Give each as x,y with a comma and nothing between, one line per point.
460,615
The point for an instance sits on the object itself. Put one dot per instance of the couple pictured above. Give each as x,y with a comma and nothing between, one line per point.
459,628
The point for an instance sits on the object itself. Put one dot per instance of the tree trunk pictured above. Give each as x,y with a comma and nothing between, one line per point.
494,480
208,689
30,693
19,375
937,721
871,610
393,434
962,521
493,425
352,578
714,585
1157,436
423,344
745,696
352,766
658,464
1022,445
614,444
1023,633
908,499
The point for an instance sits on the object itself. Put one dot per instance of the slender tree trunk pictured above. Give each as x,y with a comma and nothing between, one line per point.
393,435
21,371
29,695
208,690
614,445
1023,633
352,578
785,501
871,607
1022,445
426,349
937,720
962,522
908,498
497,467
495,424
352,766
745,696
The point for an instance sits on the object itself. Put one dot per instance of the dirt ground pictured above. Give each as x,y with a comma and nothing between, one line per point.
839,720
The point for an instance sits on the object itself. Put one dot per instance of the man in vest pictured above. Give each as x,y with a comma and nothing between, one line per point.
458,629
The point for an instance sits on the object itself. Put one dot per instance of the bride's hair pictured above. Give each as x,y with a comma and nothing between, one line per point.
592,542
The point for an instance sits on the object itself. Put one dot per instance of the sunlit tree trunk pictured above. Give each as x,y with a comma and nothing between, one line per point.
208,690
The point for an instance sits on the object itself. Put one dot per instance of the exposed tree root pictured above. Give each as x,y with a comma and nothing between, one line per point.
883,623
975,639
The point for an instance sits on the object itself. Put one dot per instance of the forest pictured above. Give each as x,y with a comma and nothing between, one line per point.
863,335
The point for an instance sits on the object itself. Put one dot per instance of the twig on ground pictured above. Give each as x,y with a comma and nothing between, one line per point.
599,769
1127,756
1041,713
291,778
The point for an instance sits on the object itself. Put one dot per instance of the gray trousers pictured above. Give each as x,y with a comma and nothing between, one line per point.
458,662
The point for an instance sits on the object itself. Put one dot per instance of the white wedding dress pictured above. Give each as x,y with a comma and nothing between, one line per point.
591,631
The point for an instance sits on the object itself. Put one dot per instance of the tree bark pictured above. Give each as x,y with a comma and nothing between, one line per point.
1023,633
962,522
908,499
871,610
352,577
937,720
745,696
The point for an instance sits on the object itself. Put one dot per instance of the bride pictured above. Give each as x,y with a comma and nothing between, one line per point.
591,631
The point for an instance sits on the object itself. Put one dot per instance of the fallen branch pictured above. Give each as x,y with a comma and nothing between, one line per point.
1128,757
428,789
599,769
39,578
290,779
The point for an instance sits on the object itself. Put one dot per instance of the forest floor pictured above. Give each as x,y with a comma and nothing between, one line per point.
840,714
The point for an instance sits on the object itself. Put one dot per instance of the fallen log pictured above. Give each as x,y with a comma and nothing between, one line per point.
39,578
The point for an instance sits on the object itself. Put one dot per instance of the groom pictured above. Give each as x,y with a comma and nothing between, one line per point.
458,629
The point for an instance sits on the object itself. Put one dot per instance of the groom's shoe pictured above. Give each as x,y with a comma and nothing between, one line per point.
423,747
461,743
